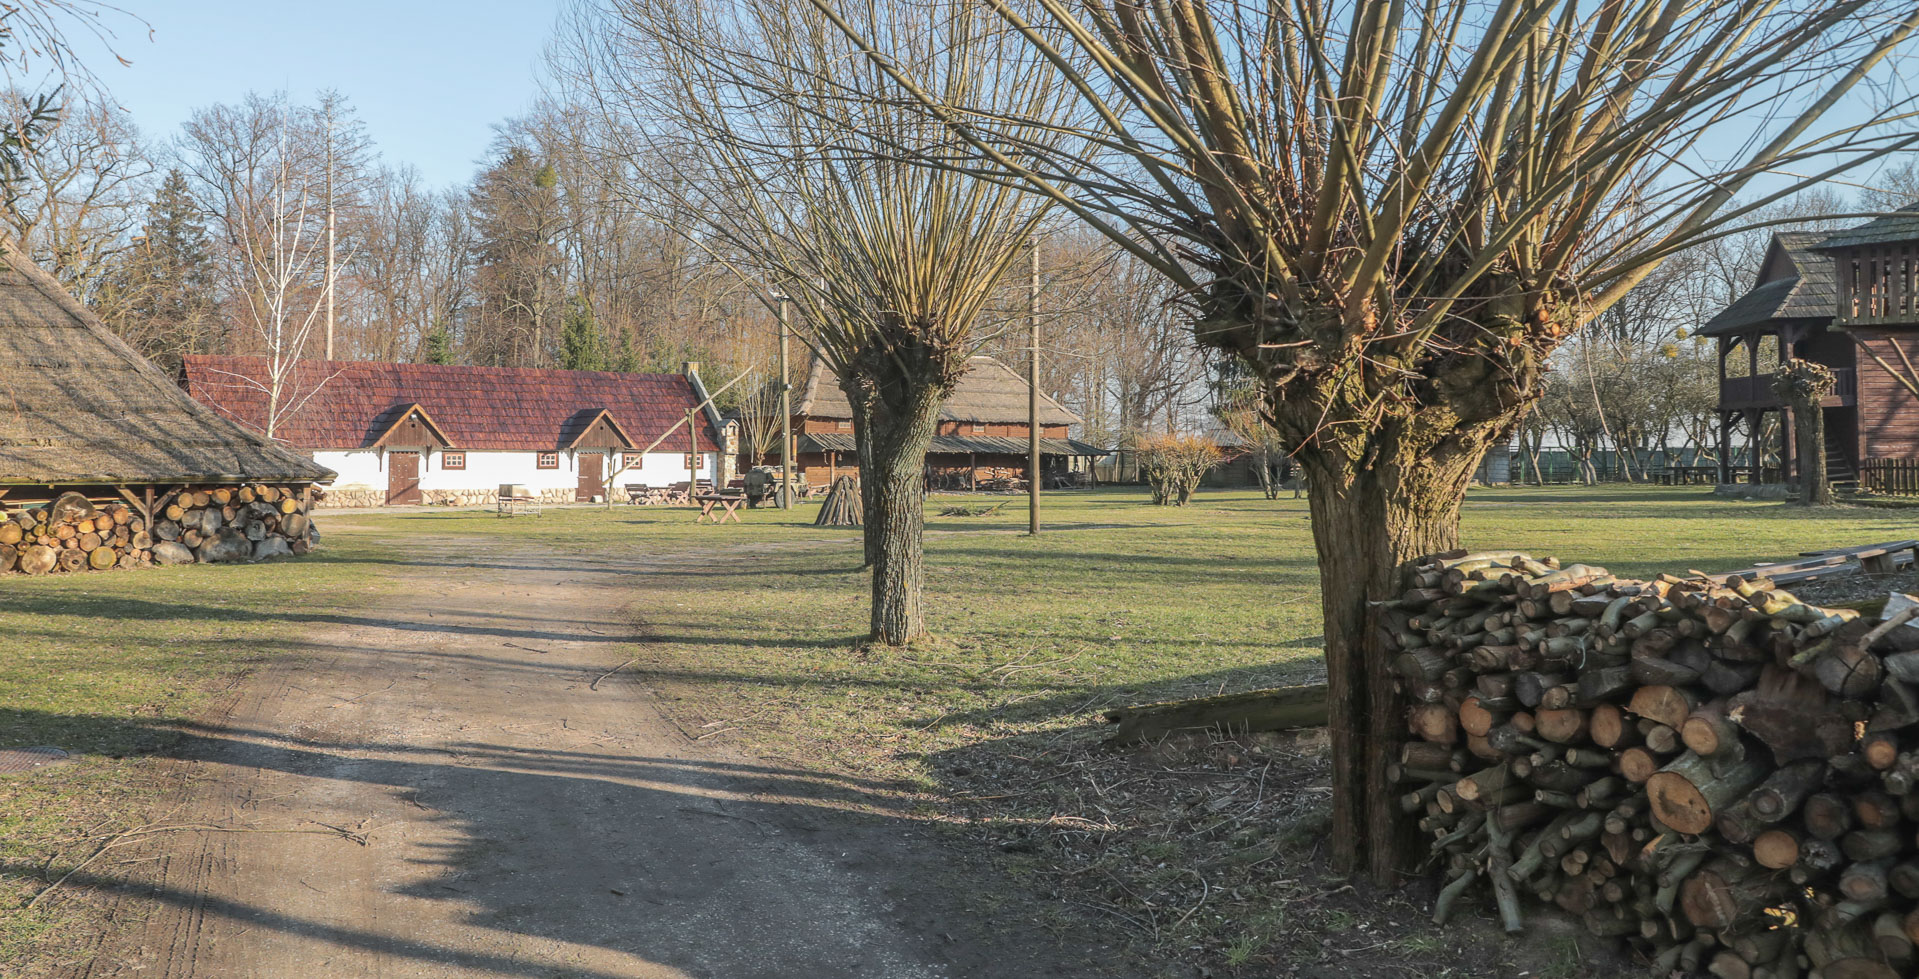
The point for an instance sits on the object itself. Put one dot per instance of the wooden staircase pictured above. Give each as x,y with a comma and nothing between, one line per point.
1839,471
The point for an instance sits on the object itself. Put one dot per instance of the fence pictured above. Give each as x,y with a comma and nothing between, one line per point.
1896,476
1561,466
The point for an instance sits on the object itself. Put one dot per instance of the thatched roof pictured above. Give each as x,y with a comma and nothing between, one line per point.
1801,286
989,393
79,406
957,445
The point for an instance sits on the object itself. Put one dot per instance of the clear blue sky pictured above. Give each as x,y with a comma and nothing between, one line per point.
430,78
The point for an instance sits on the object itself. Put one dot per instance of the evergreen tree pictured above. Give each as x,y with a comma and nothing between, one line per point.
516,219
626,357
160,295
582,347
439,346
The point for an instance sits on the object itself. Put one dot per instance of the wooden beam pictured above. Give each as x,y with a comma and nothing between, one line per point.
146,511
1257,710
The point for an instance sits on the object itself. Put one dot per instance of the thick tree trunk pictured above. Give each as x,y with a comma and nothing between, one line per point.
874,516
1816,482
1368,529
896,392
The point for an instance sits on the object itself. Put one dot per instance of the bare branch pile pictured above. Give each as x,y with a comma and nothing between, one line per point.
247,523
1707,768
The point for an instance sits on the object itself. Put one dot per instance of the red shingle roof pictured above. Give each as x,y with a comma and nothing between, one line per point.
341,404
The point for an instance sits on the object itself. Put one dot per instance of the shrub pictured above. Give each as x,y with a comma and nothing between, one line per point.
1173,465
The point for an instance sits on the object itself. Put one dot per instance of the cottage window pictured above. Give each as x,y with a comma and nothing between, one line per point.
452,460
844,424
687,461
976,428
547,460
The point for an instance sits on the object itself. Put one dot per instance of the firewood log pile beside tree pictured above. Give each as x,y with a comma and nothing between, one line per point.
1709,769
212,526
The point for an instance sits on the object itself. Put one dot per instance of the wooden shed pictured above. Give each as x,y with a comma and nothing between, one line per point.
981,439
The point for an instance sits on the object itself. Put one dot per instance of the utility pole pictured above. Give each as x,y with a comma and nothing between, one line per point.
329,230
1032,390
786,415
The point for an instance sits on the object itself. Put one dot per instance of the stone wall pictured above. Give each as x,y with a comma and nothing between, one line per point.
364,496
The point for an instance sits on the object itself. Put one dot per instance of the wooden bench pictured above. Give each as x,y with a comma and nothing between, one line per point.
1884,558
516,499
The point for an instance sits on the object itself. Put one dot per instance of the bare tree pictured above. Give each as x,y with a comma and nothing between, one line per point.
787,147
283,297
1393,213
80,193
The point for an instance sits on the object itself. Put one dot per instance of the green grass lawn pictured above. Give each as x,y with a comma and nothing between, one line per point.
1117,601
756,627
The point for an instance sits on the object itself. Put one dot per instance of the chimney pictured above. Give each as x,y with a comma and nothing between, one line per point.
691,368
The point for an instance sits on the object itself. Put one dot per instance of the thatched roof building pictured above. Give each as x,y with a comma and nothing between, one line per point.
981,435
79,407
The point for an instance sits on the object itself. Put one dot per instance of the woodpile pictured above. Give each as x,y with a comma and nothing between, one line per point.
1719,774
227,524
843,507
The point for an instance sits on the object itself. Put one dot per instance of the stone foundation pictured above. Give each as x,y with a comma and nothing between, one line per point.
363,496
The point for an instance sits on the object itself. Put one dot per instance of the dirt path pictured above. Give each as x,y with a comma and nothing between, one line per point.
446,792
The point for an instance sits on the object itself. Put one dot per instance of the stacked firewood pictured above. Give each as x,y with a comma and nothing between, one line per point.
1706,767
72,533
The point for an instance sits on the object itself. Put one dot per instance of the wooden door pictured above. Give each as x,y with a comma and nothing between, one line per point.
402,478
592,477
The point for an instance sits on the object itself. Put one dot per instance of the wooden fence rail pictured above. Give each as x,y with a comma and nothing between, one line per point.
1896,476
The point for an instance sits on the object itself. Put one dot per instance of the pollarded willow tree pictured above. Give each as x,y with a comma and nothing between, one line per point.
799,158
1392,212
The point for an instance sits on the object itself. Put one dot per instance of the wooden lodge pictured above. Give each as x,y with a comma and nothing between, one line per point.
105,463
981,442
1836,299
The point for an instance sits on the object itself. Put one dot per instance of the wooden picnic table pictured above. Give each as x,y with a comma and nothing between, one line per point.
728,503
1675,475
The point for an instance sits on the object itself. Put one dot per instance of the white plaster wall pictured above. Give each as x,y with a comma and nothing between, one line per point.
486,470
663,469
358,468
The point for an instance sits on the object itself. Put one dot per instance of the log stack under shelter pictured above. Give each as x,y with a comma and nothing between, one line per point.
208,526
99,448
1704,767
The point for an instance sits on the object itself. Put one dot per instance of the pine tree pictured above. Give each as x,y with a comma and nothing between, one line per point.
438,347
582,347
160,296
626,357
516,216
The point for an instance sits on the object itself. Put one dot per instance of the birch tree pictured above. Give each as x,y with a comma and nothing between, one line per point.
1393,212
282,298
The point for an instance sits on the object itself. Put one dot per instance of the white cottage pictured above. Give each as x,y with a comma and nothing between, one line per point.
430,433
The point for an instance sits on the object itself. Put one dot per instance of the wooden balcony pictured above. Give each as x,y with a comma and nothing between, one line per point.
1737,393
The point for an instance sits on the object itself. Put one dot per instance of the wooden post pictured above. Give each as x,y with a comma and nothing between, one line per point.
692,458
972,471
1725,447
1032,391
785,494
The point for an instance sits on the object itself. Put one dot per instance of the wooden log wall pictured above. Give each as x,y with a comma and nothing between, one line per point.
1710,770
216,525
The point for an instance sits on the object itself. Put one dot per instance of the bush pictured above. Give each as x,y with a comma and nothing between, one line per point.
1173,465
